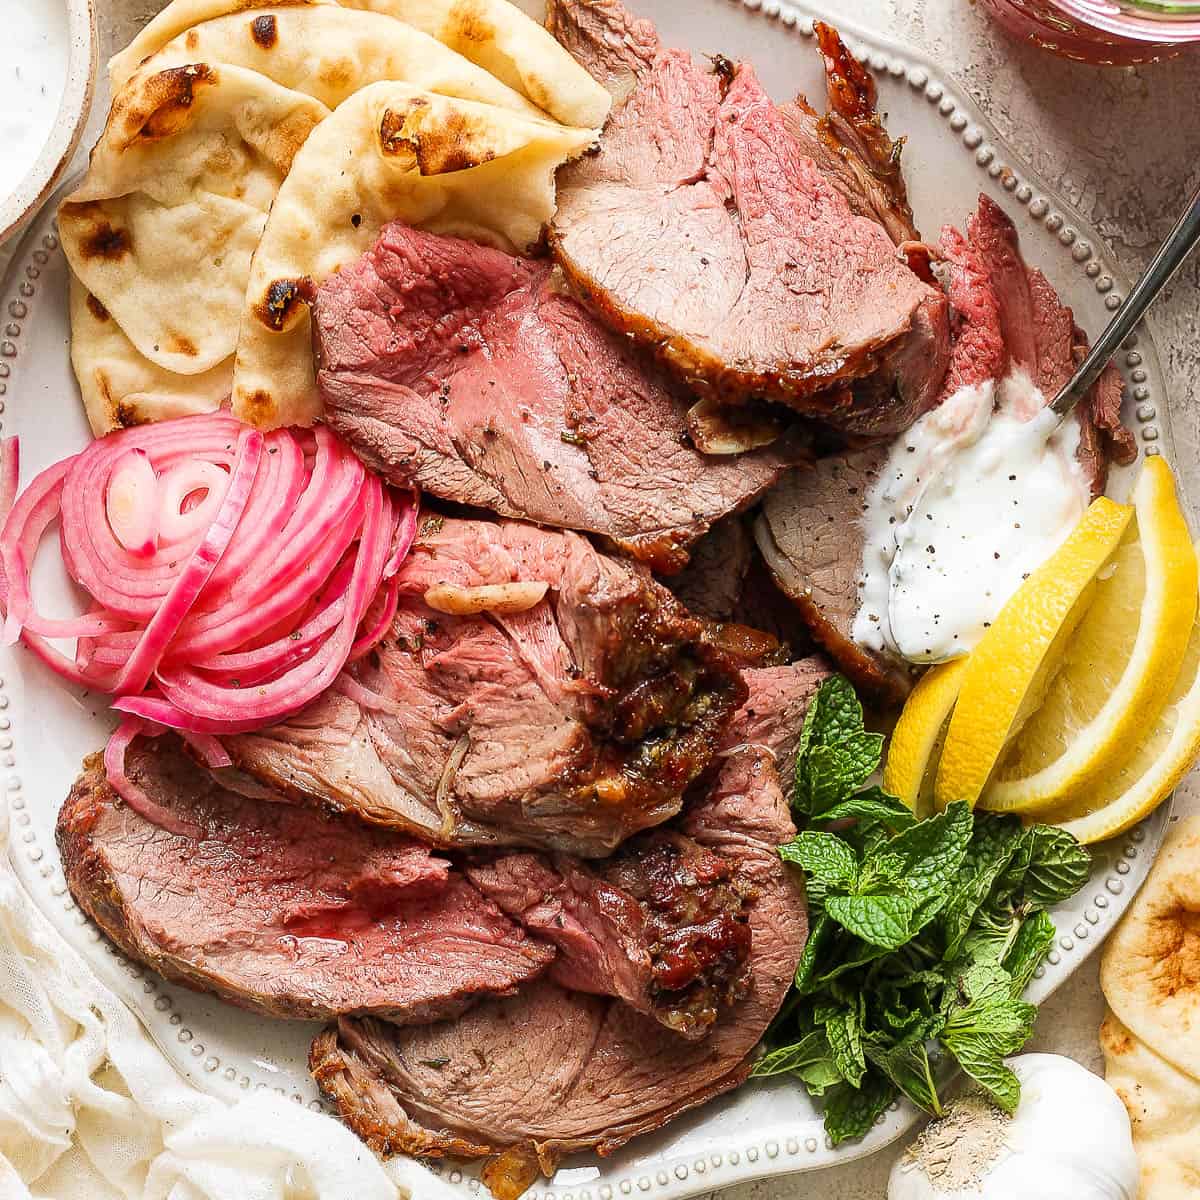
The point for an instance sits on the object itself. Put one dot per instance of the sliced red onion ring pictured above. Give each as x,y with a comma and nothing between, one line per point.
232,574
10,474
131,503
114,769
203,480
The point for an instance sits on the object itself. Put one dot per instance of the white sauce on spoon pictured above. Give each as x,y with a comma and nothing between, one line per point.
34,47
974,497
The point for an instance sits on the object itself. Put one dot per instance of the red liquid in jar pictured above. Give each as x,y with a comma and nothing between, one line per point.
1094,31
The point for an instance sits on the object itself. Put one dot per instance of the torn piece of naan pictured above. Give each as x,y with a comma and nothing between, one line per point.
1150,975
121,387
493,34
1150,972
162,229
1163,1103
390,152
329,52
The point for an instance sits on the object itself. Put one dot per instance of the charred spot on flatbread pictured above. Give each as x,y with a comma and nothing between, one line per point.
97,309
99,237
468,23
455,140
164,105
178,343
282,298
264,30
1173,941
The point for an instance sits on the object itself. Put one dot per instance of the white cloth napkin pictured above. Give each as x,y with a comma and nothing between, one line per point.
90,1109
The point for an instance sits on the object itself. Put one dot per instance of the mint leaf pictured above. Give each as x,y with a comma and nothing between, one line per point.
906,1064
786,1060
881,920
834,715
982,1057
835,755
873,806
829,775
992,936
850,1113
932,851
992,847
1034,940
849,955
984,1026
825,857
1058,866
819,935
819,1076
861,753
843,1029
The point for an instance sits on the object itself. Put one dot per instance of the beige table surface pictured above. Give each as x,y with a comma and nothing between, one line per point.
1124,147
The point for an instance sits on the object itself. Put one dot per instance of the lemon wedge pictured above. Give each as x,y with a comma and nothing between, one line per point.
916,741
1007,673
1144,780
1118,669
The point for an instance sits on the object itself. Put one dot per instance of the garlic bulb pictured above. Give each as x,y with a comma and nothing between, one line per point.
1069,1138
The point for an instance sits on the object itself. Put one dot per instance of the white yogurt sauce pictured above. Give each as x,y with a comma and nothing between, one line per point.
34,47
975,496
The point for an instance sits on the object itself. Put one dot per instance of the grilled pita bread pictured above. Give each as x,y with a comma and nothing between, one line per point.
493,34
120,387
1164,1110
390,152
329,52
163,227
1150,972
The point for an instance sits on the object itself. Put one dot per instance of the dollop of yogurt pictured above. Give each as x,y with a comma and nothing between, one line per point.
33,73
973,498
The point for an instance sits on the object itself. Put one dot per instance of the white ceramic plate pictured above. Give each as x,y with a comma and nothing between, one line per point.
764,1129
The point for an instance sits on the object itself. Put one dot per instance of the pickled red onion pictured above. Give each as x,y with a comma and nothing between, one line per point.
232,574
131,504
10,472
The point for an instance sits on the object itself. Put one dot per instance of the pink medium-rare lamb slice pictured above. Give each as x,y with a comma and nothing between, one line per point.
1043,339
280,909
568,726
559,1070
703,230
468,373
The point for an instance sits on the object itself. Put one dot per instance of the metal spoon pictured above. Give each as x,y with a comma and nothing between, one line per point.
1181,241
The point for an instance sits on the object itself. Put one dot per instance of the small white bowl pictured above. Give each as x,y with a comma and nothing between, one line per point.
68,125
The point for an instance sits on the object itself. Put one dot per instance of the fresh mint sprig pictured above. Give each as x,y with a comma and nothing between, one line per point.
923,933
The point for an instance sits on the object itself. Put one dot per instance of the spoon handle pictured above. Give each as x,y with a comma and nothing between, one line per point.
1170,257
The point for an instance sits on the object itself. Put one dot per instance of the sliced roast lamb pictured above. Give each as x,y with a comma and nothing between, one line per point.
571,724
850,144
281,910
560,1070
712,582
704,231
289,913
662,925
1043,339
1005,315
467,372
727,583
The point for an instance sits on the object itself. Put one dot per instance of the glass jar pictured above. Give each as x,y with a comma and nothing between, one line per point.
1103,32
